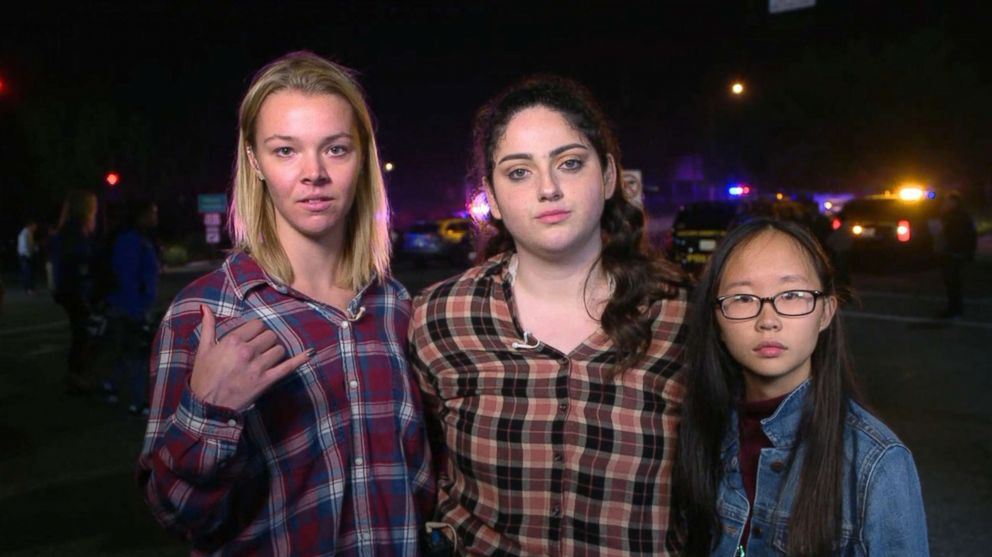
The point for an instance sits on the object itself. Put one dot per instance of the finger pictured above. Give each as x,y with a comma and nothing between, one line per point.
278,372
207,324
247,330
265,340
269,358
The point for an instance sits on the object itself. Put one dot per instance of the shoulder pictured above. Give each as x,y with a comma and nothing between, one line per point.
670,313
476,282
215,290
872,446
867,426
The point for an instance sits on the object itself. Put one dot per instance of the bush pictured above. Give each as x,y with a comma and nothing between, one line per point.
174,255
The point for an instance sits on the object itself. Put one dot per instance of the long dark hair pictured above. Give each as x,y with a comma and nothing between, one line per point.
714,382
640,276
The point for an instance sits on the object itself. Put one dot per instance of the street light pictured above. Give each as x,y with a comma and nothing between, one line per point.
737,88
388,167
113,178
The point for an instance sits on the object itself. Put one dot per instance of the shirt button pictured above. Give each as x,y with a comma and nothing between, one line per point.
556,511
353,384
232,422
562,407
345,324
359,461
756,531
563,361
777,466
558,457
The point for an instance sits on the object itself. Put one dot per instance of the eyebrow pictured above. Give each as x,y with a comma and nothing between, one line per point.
292,138
554,152
786,278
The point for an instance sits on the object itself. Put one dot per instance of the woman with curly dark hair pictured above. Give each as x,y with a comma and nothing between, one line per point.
548,368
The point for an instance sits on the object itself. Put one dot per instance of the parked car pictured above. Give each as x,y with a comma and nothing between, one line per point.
889,230
699,226
449,240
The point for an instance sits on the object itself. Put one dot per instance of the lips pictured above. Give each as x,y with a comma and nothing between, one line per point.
553,216
769,349
317,203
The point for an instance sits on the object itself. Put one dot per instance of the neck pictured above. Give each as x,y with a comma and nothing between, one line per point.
315,263
563,279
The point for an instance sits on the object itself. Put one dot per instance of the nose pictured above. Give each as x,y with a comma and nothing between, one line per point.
548,188
314,172
768,319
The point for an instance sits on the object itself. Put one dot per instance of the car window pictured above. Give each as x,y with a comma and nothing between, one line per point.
424,227
707,215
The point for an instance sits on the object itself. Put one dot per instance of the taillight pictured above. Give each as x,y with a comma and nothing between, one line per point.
903,231
835,224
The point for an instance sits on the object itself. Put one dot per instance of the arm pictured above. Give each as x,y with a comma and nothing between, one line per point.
415,438
201,476
190,458
430,399
893,521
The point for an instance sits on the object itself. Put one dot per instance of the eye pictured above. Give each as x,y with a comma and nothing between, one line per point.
792,295
283,151
517,174
572,164
742,299
339,150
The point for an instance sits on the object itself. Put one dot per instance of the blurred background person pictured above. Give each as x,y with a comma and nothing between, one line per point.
27,251
956,246
73,252
135,266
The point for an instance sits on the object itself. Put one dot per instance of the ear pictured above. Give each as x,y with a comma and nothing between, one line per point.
609,177
253,161
491,198
829,309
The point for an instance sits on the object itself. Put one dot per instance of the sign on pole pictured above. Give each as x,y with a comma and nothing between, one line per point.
778,6
211,203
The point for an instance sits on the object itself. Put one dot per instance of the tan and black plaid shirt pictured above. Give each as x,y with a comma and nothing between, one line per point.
545,453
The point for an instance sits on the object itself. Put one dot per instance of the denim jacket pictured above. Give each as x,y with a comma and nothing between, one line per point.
882,504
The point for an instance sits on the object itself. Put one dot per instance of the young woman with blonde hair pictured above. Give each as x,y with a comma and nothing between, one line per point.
283,417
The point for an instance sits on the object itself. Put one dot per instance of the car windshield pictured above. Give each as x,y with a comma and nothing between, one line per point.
424,228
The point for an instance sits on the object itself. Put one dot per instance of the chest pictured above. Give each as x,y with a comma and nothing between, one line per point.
562,326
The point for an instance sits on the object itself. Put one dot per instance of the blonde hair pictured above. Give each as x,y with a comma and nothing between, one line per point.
252,218
78,206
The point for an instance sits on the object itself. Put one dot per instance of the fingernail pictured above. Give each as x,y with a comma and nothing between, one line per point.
311,352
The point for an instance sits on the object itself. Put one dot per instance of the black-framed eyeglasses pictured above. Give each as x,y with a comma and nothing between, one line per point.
791,303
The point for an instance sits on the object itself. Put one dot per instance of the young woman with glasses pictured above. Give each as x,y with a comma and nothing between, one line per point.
776,454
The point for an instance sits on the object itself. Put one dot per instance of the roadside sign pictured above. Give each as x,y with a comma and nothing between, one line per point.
778,6
211,219
211,203
213,234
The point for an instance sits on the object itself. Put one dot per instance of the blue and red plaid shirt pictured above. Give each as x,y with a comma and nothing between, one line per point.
331,460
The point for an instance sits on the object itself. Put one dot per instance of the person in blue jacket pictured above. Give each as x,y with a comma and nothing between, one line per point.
135,265
776,454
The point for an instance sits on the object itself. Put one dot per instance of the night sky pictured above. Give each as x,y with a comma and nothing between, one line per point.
168,77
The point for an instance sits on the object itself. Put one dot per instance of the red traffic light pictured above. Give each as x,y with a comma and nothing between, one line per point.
113,178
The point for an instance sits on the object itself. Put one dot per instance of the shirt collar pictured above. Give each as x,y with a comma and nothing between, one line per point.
781,427
246,275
